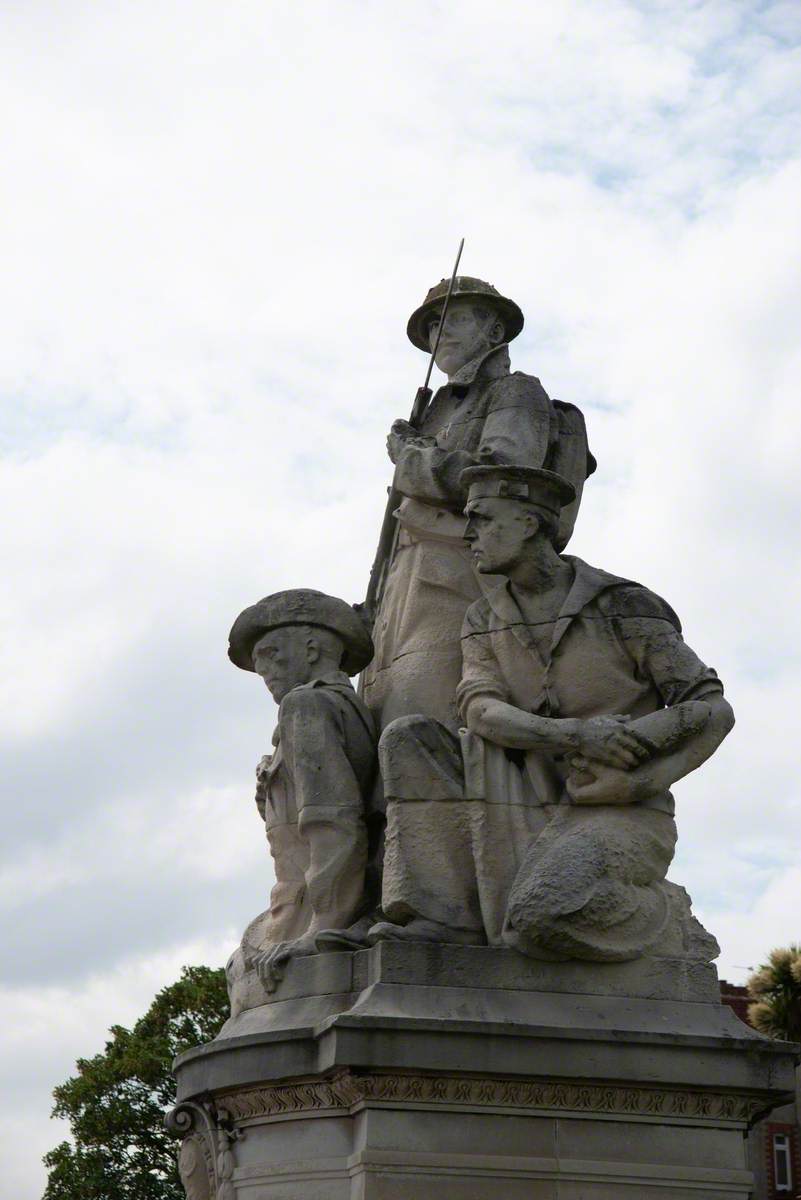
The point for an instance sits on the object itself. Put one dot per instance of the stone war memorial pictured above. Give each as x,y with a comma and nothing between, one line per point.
474,979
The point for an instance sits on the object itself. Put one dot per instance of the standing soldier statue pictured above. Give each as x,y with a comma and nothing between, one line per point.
423,580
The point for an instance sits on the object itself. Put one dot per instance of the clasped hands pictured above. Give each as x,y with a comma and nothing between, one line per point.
604,769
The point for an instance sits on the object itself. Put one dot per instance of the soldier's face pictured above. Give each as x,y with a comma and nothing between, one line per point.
282,659
498,531
468,333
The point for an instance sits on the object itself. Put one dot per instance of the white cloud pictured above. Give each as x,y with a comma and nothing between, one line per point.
776,910
43,1030
214,233
210,835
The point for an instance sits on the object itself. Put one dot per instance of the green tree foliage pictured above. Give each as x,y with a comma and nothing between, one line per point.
776,993
116,1102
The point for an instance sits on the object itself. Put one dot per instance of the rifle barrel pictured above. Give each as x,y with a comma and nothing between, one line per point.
388,538
442,318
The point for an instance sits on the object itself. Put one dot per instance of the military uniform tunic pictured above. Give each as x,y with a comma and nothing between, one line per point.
483,415
487,841
314,808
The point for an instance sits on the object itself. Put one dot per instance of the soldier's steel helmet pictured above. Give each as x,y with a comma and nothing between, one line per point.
301,606
465,286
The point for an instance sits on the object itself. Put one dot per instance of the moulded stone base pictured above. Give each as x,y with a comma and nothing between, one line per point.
546,1082
499,1140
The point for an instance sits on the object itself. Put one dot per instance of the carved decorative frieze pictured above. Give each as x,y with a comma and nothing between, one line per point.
348,1090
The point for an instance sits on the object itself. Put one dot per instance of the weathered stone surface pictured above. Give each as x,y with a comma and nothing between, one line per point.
417,986
483,413
195,1166
331,983
547,825
311,792
625,1079
534,1014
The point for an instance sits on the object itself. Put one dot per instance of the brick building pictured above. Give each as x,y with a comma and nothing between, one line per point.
774,1144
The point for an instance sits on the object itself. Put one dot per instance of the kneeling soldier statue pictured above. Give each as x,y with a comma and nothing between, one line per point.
547,824
311,790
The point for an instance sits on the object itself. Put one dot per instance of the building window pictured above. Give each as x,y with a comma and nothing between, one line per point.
782,1170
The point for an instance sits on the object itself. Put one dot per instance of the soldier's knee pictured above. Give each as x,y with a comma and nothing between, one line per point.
535,909
420,758
411,725
404,732
556,889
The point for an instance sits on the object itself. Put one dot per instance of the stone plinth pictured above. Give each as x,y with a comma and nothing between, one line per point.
389,1074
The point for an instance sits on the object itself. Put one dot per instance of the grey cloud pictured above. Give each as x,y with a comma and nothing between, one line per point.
169,717
90,929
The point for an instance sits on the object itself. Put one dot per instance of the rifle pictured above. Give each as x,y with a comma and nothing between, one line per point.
388,538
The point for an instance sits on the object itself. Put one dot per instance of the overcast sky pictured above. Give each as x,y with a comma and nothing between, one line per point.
216,221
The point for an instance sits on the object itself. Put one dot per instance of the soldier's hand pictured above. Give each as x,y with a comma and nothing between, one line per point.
399,434
271,964
593,783
403,429
608,740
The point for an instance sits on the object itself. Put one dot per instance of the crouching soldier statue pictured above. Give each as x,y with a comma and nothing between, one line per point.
547,825
311,791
